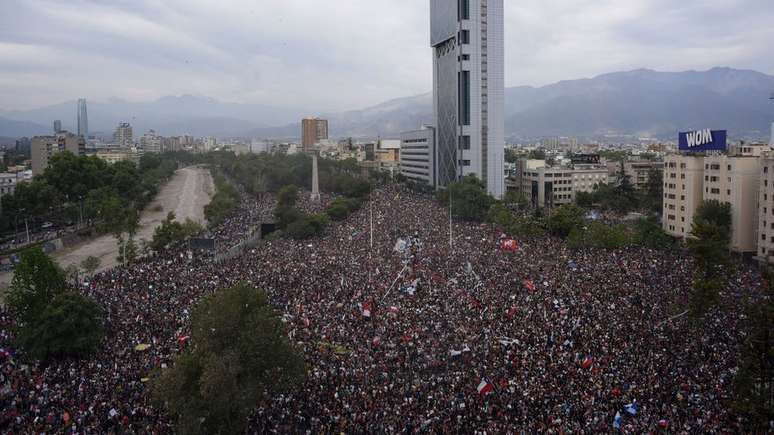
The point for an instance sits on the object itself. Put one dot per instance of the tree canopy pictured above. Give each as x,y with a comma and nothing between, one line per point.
74,184
239,354
469,199
710,236
37,279
53,321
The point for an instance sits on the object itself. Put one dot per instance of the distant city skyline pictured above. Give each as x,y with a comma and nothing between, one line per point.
282,54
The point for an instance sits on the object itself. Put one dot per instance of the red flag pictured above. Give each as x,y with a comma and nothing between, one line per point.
530,285
587,362
509,245
367,309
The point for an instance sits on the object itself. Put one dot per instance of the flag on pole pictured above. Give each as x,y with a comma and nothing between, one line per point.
530,285
587,362
632,408
617,420
484,387
509,245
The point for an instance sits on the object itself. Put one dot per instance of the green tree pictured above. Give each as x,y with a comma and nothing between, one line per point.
287,196
648,233
37,279
564,219
307,226
584,199
169,232
469,200
127,249
90,264
654,190
240,355
342,207
598,235
225,200
515,200
69,326
710,235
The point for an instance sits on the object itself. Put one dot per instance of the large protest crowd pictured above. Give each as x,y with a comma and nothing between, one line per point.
410,333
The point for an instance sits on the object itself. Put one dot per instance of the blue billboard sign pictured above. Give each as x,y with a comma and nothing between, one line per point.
703,140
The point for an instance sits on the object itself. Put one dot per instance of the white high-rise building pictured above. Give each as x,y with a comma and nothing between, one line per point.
467,37
122,137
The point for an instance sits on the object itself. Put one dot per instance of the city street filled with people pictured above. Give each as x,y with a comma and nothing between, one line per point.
410,325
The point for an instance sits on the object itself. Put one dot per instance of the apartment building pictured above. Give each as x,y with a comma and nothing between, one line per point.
43,148
735,178
683,187
765,219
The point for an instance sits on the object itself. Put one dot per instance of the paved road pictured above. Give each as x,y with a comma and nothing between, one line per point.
186,194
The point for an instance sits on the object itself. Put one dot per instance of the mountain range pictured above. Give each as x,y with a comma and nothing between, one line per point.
639,103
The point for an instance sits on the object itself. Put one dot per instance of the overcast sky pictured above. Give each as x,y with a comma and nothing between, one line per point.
345,54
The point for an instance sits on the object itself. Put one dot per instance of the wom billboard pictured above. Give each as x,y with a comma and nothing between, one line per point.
703,140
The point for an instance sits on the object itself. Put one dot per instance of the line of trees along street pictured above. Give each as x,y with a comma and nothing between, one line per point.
86,189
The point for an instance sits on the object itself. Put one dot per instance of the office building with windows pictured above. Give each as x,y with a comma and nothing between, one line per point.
734,178
417,155
467,37
45,147
553,186
122,137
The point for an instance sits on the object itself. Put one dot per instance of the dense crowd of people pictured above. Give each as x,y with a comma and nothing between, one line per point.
410,331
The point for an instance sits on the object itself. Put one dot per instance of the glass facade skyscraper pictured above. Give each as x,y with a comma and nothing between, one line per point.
83,119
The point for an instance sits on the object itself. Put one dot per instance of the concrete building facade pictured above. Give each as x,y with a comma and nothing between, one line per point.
44,147
467,37
417,156
683,187
765,230
552,186
735,178
123,135
638,171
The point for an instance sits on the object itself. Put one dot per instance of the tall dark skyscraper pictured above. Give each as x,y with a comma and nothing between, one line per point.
467,37
57,126
83,119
